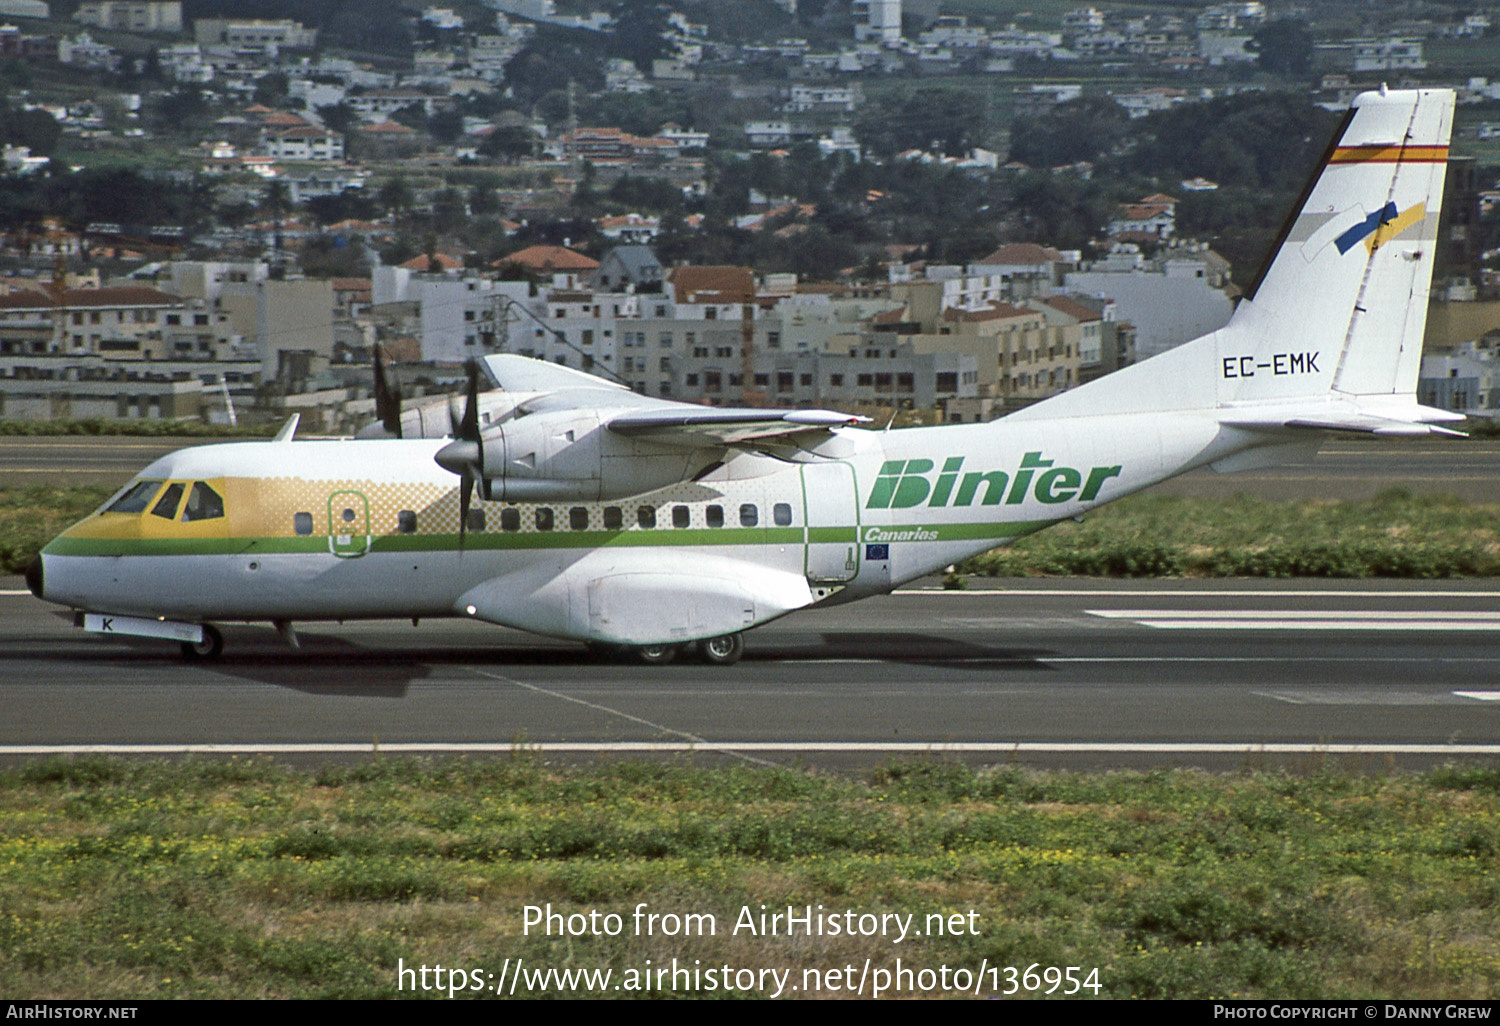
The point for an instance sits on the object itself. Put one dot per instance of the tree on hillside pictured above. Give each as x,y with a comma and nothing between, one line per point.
1267,140
338,117
395,196
640,28
930,117
34,128
1088,128
1283,47
508,143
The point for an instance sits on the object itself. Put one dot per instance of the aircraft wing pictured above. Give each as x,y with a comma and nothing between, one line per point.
682,424
657,420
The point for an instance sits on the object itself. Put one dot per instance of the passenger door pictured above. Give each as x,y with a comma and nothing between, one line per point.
832,519
348,524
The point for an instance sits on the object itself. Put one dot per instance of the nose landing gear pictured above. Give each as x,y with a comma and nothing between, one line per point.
211,647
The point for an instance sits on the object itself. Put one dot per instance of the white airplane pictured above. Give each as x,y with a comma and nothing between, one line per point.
619,520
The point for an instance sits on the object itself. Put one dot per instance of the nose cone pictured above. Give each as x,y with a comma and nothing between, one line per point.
34,576
459,456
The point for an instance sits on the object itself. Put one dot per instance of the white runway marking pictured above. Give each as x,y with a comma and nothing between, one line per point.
736,747
1305,619
691,739
1316,695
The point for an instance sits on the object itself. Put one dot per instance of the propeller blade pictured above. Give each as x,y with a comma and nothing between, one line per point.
387,398
466,492
468,428
464,455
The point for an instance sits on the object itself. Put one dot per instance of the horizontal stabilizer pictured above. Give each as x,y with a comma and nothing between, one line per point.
1407,421
1377,427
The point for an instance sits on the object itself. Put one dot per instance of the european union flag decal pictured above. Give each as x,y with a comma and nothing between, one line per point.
876,552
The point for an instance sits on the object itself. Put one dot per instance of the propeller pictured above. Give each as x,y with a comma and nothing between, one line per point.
464,455
387,398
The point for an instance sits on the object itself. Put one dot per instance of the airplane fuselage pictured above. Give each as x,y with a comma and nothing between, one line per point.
370,529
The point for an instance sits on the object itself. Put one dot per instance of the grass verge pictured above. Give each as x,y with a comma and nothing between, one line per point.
1395,534
33,515
139,879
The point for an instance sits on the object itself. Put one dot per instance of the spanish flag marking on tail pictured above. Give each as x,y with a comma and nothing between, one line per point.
1379,154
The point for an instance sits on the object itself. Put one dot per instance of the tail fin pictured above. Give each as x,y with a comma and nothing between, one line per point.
1337,316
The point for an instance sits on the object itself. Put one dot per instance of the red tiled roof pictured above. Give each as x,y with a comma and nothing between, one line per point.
713,284
1022,253
1072,308
388,128
550,258
993,312
131,295
424,263
1143,211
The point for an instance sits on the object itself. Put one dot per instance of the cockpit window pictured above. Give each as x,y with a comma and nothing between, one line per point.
135,498
203,504
166,506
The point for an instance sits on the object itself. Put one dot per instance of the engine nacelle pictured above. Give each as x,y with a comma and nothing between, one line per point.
569,456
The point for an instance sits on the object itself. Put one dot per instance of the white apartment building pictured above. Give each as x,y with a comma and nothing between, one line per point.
132,15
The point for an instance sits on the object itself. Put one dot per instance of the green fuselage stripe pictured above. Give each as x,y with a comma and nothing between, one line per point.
532,540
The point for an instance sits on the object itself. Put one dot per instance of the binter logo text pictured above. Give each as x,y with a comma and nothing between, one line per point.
903,484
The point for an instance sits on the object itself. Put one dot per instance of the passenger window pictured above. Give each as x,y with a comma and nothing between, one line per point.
203,504
134,500
510,519
749,515
782,514
613,518
578,519
406,521
646,516
544,518
680,516
166,506
476,520
302,523
715,515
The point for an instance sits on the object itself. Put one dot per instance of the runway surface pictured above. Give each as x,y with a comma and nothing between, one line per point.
1054,673
1345,468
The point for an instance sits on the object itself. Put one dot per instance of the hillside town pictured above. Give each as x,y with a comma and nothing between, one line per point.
941,209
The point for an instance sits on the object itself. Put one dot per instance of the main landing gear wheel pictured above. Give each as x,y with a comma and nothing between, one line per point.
723,650
604,651
656,655
211,647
